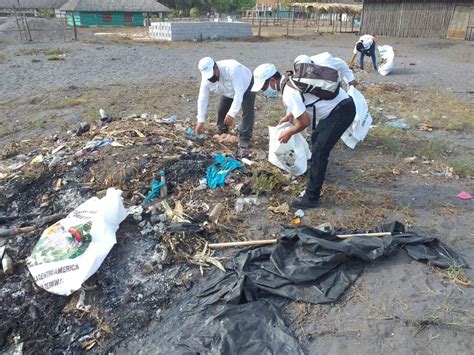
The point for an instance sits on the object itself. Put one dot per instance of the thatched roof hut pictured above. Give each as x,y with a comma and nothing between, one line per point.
31,4
336,8
110,12
114,5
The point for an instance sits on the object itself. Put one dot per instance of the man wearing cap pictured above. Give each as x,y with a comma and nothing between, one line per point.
334,117
233,82
366,47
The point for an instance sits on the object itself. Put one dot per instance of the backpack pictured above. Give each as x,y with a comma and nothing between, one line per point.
360,47
310,78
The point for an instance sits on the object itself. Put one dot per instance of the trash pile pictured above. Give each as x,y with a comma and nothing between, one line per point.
178,197
179,192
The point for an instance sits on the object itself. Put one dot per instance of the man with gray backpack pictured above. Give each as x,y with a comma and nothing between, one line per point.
315,84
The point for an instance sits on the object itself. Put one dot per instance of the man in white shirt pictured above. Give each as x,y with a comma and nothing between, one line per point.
233,81
334,116
366,47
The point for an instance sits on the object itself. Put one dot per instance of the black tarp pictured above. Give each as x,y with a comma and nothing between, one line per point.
231,313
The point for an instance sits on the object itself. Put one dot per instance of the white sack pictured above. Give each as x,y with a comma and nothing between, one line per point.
71,250
291,156
359,128
387,55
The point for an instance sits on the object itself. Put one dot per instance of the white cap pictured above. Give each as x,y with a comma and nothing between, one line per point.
206,66
261,74
302,58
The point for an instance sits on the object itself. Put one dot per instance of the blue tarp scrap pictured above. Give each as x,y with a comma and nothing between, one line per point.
218,172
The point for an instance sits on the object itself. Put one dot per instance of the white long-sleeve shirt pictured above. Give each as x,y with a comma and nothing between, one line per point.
234,80
297,106
367,41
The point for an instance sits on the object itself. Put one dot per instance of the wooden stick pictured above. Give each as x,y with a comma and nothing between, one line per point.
242,244
250,243
45,220
380,234
16,231
4,219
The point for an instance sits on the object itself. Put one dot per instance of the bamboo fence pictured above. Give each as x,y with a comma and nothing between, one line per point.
408,18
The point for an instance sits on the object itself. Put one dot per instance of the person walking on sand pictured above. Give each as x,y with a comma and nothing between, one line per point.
335,112
365,46
233,82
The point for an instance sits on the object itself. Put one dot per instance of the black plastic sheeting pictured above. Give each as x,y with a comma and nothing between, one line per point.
232,313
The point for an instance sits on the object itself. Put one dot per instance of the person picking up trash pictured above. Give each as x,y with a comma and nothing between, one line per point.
233,82
366,47
315,84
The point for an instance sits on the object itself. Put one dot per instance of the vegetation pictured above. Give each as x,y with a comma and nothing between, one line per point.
195,7
55,54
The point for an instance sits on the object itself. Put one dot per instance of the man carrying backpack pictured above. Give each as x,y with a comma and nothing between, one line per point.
315,84
233,81
366,47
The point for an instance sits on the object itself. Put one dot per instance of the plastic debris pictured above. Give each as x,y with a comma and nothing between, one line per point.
217,173
202,185
104,117
96,144
189,133
241,203
136,212
247,161
463,195
398,124
299,213
83,128
71,250
7,264
169,120
447,172
155,190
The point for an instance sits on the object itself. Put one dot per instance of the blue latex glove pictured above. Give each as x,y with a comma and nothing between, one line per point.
217,173
155,190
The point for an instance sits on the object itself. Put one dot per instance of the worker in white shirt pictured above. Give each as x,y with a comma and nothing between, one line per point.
334,116
233,81
365,46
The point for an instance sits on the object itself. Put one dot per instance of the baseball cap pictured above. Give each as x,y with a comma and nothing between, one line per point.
206,66
302,58
261,74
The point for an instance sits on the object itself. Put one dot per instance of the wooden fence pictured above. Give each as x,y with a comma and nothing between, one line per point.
409,18
319,22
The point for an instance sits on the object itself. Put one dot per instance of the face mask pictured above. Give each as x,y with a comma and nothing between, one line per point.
213,78
270,92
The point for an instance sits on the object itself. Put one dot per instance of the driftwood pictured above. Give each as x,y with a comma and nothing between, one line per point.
250,243
45,220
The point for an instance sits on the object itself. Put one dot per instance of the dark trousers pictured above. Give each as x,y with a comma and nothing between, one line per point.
248,114
324,138
370,53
